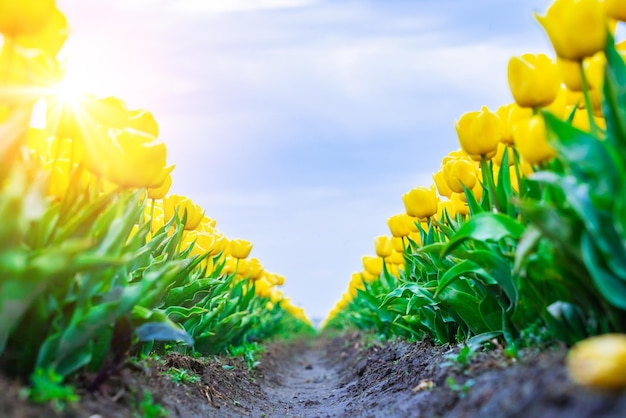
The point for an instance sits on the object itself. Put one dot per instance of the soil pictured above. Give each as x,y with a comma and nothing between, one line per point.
351,375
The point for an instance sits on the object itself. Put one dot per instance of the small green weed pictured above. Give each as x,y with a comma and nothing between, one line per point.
149,409
463,389
47,386
249,352
179,376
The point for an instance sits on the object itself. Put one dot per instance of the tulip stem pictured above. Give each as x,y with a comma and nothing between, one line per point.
491,186
588,106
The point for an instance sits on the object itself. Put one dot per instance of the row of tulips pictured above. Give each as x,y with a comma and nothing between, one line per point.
523,233
96,259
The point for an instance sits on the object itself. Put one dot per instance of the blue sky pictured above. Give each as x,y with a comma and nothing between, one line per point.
299,124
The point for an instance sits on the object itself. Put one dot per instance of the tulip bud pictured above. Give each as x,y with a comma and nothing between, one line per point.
576,28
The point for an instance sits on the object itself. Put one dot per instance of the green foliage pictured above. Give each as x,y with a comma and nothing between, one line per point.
249,352
147,408
47,387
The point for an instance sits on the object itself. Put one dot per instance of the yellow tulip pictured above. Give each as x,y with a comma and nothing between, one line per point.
448,206
599,362
458,173
533,80
509,115
23,17
135,161
256,268
372,265
143,121
497,159
230,266
416,237
50,38
576,28
161,191
240,248
594,72
479,133
440,183
615,9
383,246
356,281
398,225
181,204
531,140
398,244
420,202
109,111
459,206
581,121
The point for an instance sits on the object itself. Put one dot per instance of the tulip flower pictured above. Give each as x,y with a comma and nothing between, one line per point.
143,121
398,244
576,28
459,206
383,246
181,204
240,248
161,191
615,9
497,159
533,80
599,362
24,17
398,225
458,173
420,202
479,133
372,265
594,72
49,38
509,115
531,140
136,161
440,183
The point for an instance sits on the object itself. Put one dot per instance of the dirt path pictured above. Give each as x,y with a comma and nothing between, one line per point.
309,387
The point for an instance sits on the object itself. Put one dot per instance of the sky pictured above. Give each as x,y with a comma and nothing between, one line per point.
299,124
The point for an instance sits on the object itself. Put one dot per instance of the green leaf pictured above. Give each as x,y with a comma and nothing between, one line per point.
614,103
610,286
485,227
161,331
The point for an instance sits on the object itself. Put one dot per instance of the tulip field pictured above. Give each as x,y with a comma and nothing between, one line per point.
520,240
